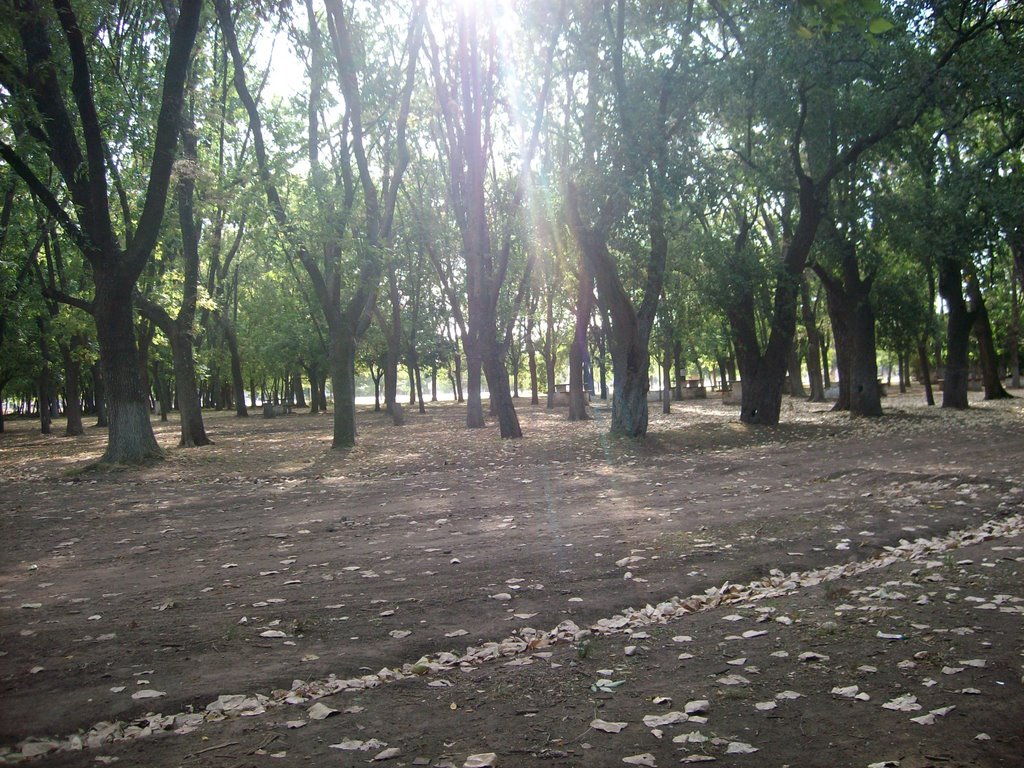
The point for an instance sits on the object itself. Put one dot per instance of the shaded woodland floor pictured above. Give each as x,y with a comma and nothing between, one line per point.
379,582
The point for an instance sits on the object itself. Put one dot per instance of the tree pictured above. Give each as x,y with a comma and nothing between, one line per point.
71,138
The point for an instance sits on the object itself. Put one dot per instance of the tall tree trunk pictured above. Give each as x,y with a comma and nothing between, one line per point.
813,343
549,352
100,393
343,377
959,322
237,379
796,378
578,349
72,380
131,439
991,380
44,382
1014,338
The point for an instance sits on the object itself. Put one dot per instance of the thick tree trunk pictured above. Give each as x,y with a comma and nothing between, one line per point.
630,371
343,382
991,380
193,431
474,384
300,395
865,396
959,322
501,395
578,348
130,439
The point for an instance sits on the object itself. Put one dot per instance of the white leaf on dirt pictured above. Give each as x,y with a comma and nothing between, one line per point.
523,616
398,634
273,633
644,759
661,700
482,760
739,748
753,633
387,754
669,718
784,620
928,719
629,650
698,759
603,725
978,663
37,748
888,636
94,617
148,693
36,670
682,639
737,662
905,703
765,706
732,617
693,737
631,560
983,737
293,724
780,654
117,689
355,745
230,565
309,657
697,707
847,692
501,596
31,606
456,633
684,656
942,711
970,691
885,764
952,670
454,561
320,711
812,656
732,680
788,695
440,684
867,669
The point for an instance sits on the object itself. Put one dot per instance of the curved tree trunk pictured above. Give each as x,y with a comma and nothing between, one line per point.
990,378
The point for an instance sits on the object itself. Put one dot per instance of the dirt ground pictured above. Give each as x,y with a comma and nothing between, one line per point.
830,592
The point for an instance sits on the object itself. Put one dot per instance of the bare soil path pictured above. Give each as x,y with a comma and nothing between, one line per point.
267,558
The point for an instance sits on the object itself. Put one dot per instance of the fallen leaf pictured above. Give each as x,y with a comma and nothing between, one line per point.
765,706
148,693
482,760
739,748
669,718
905,703
644,759
603,725
320,711
387,754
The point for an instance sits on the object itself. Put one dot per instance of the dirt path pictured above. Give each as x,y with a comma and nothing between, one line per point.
268,558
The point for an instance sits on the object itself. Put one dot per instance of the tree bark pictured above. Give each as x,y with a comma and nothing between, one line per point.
72,386
959,321
991,381
578,349
813,343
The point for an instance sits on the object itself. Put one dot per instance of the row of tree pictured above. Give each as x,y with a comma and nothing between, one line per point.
734,186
